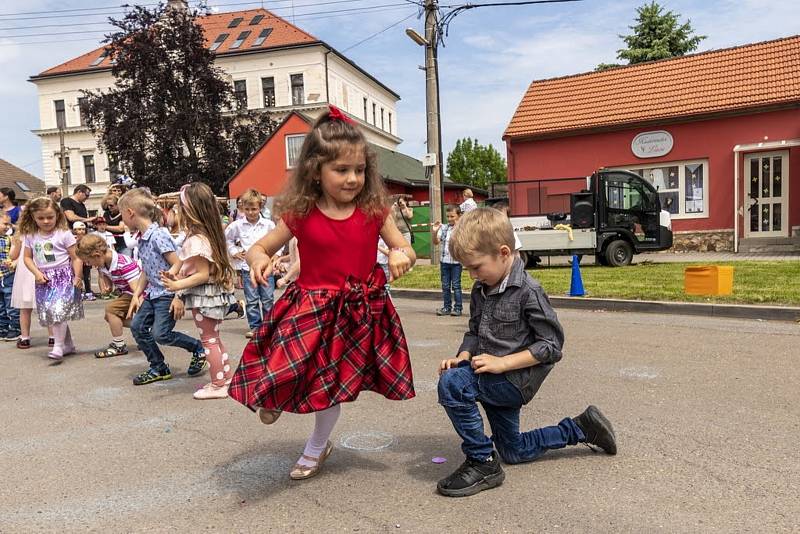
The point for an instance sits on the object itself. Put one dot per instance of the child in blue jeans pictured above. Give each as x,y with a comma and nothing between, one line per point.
9,316
450,267
513,342
240,235
157,309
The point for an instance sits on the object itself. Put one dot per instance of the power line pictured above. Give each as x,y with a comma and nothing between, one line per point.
380,32
320,15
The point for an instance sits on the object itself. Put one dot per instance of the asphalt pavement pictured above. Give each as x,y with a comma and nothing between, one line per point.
705,409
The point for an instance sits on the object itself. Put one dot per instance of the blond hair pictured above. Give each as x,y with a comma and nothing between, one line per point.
27,224
481,231
108,199
142,203
251,195
467,193
329,139
91,245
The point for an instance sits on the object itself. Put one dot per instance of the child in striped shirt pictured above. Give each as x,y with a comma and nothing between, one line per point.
124,274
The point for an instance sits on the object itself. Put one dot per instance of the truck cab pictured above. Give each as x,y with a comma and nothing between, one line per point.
612,214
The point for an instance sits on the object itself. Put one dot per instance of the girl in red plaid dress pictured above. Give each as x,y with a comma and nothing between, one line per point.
334,332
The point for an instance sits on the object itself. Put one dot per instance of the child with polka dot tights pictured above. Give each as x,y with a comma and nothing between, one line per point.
203,279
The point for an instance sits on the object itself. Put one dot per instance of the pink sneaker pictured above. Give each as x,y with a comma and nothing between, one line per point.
210,391
53,355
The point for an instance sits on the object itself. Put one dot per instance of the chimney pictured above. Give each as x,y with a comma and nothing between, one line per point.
180,5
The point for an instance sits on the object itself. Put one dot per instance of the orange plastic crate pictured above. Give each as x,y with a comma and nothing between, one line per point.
708,280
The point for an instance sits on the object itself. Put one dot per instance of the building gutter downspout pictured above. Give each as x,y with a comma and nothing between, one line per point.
327,83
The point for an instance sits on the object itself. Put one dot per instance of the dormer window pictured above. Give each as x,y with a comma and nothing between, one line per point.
235,22
239,40
256,20
100,59
218,42
262,37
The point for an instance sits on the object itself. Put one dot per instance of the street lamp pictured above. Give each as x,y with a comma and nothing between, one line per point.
433,158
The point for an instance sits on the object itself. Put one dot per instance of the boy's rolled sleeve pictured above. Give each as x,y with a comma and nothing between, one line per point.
471,342
548,334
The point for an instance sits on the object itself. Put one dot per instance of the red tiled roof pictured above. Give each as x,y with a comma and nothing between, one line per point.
751,76
283,34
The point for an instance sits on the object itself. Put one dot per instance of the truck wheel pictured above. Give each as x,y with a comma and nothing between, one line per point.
619,253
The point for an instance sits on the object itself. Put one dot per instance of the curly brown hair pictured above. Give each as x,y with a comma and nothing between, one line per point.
27,224
328,139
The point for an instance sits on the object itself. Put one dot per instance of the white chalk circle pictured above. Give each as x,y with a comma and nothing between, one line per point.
424,344
367,441
639,373
425,385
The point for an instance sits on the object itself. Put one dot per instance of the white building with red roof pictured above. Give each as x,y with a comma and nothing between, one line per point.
272,64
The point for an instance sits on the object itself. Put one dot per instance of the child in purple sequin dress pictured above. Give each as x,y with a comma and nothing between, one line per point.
50,256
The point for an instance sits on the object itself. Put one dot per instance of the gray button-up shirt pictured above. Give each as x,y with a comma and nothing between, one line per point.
515,316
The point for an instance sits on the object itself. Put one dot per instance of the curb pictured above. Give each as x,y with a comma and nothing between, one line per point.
735,311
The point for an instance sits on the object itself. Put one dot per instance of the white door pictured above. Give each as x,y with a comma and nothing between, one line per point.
766,191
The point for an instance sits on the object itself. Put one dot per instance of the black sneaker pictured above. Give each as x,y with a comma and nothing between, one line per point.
150,376
597,429
198,363
443,311
472,477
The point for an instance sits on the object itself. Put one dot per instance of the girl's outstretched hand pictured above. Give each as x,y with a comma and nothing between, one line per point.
260,271
399,263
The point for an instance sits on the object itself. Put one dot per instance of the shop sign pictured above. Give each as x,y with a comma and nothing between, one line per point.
652,144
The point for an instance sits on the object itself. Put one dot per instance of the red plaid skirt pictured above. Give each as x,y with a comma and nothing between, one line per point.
322,347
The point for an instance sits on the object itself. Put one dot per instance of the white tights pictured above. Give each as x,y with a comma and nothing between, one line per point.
324,422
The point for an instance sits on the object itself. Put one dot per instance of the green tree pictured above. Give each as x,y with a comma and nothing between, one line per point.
171,116
656,35
473,164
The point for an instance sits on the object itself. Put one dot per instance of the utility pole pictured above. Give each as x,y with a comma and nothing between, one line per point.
433,159
62,159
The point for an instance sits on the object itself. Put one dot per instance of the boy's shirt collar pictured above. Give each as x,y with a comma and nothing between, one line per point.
147,233
515,278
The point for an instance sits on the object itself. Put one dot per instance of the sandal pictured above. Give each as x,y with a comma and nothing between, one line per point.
111,351
268,416
302,472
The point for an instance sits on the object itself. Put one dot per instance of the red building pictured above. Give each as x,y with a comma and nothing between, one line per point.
718,133
269,168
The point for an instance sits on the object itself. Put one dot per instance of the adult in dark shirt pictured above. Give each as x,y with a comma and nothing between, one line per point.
74,207
113,219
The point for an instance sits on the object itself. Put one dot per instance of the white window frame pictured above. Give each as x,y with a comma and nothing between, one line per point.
286,143
681,164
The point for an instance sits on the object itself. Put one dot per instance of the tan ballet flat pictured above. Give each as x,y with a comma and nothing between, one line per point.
268,416
302,472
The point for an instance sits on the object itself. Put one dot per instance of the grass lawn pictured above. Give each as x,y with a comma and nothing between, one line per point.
754,282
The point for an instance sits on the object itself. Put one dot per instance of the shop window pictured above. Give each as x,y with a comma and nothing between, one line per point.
682,187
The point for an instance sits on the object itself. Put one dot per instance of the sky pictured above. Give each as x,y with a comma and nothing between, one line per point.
489,58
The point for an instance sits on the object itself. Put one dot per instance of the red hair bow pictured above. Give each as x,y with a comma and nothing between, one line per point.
336,114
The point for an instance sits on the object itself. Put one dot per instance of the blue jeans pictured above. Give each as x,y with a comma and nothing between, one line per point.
9,316
154,325
460,390
258,299
451,278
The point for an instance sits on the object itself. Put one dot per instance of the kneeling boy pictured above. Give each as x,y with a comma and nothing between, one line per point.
513,342
124,274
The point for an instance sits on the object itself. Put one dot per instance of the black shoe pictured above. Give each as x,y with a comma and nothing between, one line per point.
472,477
597,429
198,363
150,376
443,311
